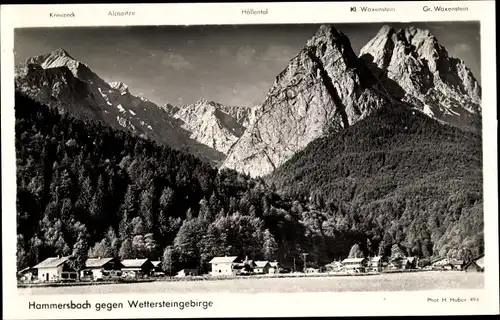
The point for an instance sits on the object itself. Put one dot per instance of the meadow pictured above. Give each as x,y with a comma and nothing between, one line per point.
432,280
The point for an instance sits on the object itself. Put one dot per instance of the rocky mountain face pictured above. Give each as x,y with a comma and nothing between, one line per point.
326,87
211,123
424,75
205,129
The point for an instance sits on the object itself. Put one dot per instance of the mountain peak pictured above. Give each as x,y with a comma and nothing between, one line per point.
56,59
386,30
435,83
61,52
323,90
328,33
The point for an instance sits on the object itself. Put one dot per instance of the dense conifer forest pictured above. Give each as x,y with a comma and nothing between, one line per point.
400,178
395,180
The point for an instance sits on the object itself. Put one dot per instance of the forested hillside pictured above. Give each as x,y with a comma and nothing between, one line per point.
84,189
397,177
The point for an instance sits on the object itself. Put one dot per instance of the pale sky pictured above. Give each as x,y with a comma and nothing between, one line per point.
234,65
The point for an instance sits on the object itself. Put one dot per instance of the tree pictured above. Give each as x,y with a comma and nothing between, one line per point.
396,252
80,251
113,241
356,252
101,250
270,247
138,226
146,208
186,243
168,262
22,259
126,250
465,255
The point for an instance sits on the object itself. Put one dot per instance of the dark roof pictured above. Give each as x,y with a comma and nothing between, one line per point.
96,262
53,262
479,257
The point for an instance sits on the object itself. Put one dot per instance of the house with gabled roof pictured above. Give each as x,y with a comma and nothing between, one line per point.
377,264
355,264
137,267
274,267
454,264
226,266
158,268
261,267
27,274
192,272
55,269
101,268
157,265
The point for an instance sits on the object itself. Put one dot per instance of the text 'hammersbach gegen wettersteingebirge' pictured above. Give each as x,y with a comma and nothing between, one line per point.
133,304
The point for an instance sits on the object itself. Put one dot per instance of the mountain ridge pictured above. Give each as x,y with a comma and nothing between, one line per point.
59,80
350,87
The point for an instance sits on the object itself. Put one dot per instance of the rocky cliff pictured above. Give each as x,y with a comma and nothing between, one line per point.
441,86
212,124
323,89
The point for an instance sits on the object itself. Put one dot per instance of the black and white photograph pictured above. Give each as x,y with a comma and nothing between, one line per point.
249,158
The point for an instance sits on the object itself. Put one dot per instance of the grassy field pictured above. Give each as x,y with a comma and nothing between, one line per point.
385,282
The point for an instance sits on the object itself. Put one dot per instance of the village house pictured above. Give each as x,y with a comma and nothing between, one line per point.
101,268
355,265
157,269
476,265
261,267
274,267
246,267
55,269
312,270
454,264
335,266
439,264
377,264
226,266
137,268
397,263
187,273
27,274
157,265
411,262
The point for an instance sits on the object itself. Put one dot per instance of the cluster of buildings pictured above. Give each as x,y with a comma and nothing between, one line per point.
374,264
380,263
233,266
60,269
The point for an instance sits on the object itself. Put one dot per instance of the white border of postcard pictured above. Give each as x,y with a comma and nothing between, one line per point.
254,305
